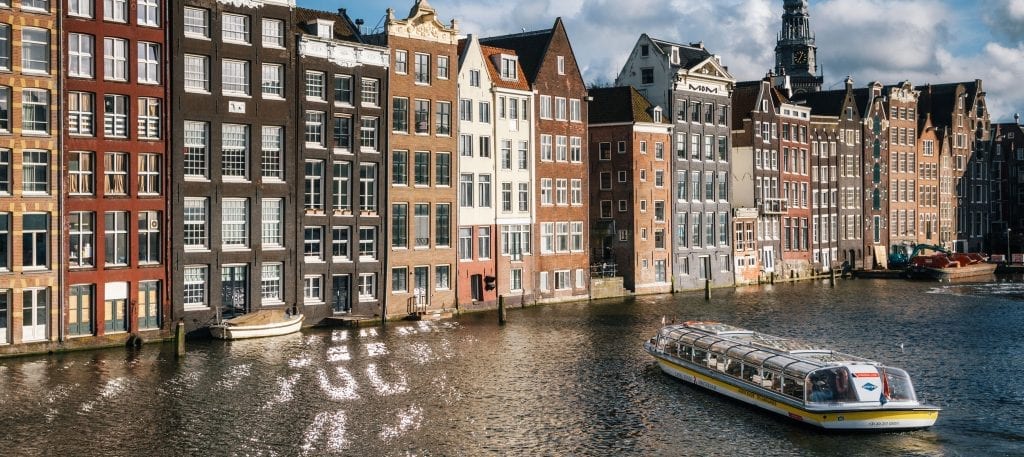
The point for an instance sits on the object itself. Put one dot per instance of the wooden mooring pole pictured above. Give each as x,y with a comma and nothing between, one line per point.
502,318
179,340
832,277
707,290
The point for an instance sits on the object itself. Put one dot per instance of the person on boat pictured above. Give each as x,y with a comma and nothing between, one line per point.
821,390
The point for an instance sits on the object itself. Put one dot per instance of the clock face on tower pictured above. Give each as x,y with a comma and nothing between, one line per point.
800,57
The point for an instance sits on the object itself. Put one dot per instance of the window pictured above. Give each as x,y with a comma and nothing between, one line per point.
194,290
35,50
368,134
605,179
483,237
149,118
546,191
442,67
115,173
35,176
35,111
115,116
547,237
367,243
342,134
577,191
444,118
80,306
80,8
115,10
81,237
115,238
485,146
524,197
646,76
5,241
368,187
606,209
485,112
196,145
370,93
506,197
484,184
562,280
422,168
272,85
313,186
197,74
575,110
80,53
443,176
195,234
560,108
313,244
400,114
465,243
149,62
561,191
442,278
561,148
115,59
401,62
508,67
235,222
235,77
5,109
273,33
422,68
343,89
271,226
149,237
314,129
341,188
400,168
313,289
149,13
315,85
367,286
422,116
271,282
422,224
576,233
466,190
659,211
400,225
80,172
235,151
341,239
235,27
272,154
196,22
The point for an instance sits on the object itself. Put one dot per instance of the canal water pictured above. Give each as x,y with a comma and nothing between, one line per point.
557,380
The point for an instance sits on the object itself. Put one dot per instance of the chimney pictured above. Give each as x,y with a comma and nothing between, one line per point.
1016,118
849,83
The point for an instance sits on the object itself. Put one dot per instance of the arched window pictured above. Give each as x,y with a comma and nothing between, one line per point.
876,199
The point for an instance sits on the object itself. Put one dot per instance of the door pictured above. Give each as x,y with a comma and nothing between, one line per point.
34,312
341,286
234,283
768,258
476,283
420,287
149,305
826,260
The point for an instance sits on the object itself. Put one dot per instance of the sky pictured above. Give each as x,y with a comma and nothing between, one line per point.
923,41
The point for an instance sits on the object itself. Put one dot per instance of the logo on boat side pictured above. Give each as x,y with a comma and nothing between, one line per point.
870,387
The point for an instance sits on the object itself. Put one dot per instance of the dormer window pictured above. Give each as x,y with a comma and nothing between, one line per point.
508,67
323,28
675,55
645,50
657,115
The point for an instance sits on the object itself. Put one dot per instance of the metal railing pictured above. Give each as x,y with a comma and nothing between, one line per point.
604,270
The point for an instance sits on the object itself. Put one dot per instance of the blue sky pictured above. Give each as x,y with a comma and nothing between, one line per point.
886,40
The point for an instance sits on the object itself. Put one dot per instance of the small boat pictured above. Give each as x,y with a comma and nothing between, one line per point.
795,379
258,324
946,266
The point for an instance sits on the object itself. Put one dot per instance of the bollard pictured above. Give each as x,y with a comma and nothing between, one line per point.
707,290
501,310
771,279
832,277
179,340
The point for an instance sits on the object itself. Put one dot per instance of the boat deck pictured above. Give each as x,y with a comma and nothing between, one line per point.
262,317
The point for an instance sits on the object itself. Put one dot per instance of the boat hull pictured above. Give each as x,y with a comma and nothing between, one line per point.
876,419
945,274
227,331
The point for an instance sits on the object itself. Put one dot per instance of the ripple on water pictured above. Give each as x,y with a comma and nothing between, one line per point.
406,420
338,354
396,386
344,389
325,434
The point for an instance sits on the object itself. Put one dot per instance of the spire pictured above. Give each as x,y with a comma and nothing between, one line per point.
795,51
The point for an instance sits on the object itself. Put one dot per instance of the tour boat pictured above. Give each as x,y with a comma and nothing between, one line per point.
944,267
804,382
258,324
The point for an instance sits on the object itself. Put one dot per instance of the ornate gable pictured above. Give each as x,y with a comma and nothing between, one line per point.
422,24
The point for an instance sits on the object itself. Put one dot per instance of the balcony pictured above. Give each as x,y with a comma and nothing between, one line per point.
774,206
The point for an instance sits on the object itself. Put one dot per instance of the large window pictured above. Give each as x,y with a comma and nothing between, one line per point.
422,116
235,76
421,168
400,225
235,151
341,240
197,73
272,225
115,116
272,85
194,287
115,59
115,238
421,224
80,172
271,278
235,222
443,169
149,63
196,22
466,190
368,187
273,33
367,243
149,118
443,231
400,168
35,175
235,27
370,93
315,85
313,187
314,129
149,237
422,68
35,50
196,148
5,109
444,118
115,10
341,187
5,241
272,153
82,238
343,89
149,12
367,287
80,52
342,134
484,197
115,173
400,114
35,111
465,243
194,217
5,47
368,134
483,238
313,243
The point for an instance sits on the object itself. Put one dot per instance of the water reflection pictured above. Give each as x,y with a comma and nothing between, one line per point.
568,379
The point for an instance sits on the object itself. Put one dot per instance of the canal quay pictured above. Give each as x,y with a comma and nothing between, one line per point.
568,379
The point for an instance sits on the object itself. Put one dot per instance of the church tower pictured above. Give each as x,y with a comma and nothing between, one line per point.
795,52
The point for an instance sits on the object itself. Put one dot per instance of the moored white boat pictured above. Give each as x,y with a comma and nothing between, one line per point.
256,325
816,386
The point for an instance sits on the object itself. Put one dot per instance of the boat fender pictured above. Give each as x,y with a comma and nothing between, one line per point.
134,342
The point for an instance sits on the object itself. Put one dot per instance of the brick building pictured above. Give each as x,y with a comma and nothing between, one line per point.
116,169
30,222
632,191
547,59
795,182
875,174
901,104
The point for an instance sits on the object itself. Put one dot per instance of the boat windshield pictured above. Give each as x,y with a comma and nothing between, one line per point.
896,385
830,385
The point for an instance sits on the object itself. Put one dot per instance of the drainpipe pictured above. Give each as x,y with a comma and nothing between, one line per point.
61,121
